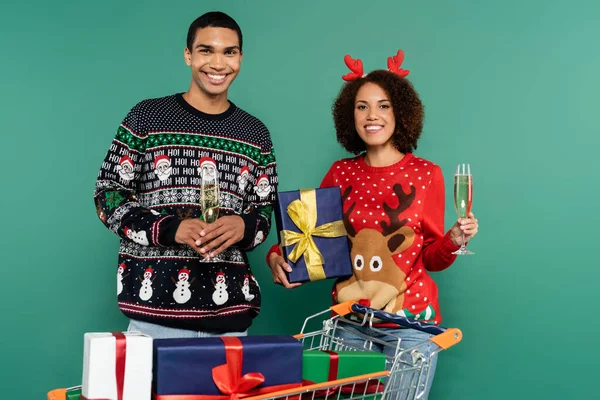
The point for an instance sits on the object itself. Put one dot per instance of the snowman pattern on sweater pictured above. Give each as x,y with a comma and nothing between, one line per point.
246,288
120,276
146,289
182,293
220,295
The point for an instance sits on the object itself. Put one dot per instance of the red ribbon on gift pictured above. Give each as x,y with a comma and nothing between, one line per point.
120,354
369,387
229,379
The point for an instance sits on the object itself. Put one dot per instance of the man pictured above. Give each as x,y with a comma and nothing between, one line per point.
148,190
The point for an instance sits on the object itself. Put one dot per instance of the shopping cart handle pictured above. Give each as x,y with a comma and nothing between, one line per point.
397,319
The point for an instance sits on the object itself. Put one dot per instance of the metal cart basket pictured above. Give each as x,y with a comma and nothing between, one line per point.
406,371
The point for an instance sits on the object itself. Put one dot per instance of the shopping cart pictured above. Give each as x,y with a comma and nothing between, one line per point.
406,370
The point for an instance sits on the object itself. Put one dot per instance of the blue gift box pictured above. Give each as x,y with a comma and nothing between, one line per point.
327,204
185,366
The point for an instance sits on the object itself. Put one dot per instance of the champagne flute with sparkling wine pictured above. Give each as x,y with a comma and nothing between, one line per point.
209,199
463,197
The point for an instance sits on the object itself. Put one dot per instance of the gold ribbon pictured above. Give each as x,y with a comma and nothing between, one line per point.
303,213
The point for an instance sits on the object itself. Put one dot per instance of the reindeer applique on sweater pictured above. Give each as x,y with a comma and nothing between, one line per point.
377,277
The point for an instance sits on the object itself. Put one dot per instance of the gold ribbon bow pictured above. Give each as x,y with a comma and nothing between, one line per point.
303,213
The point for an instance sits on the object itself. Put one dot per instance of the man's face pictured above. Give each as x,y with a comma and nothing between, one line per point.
215,59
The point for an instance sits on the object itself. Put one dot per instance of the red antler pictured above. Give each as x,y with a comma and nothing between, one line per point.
395,62
355,66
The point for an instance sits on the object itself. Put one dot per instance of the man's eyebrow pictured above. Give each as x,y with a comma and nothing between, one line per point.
209,47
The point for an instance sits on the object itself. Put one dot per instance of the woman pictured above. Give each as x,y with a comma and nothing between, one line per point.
393,204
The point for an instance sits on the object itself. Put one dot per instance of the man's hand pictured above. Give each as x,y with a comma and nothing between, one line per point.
189,232
221,234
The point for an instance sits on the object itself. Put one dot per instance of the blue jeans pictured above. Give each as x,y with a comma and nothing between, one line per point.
409,338
164,332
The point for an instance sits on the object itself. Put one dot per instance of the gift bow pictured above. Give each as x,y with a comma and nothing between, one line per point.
229,379
303,213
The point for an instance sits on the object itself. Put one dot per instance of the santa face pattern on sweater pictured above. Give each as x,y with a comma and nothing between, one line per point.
162,167
176,174
125,169
386,221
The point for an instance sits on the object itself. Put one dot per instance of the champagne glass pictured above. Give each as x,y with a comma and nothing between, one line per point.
210,199
463,197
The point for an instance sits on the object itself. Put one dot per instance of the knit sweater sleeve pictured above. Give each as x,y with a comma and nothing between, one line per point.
115,195
437,246
260,200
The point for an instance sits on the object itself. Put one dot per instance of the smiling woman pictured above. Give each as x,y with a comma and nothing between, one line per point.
393,204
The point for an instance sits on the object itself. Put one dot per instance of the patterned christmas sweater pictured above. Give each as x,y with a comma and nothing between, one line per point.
394,216
150,181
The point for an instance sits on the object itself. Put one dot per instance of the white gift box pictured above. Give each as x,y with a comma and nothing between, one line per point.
99,366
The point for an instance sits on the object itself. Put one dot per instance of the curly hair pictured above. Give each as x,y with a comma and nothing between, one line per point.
406,105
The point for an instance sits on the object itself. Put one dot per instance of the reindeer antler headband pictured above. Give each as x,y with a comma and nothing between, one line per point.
356,66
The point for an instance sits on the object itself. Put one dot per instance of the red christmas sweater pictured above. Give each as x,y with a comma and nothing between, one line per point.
394,216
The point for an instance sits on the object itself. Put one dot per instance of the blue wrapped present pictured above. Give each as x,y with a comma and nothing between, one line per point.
219,367
312,234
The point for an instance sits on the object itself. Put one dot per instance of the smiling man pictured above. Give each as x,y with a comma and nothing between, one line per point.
171,147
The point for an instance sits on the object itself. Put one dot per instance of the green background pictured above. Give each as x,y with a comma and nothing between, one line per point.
509,86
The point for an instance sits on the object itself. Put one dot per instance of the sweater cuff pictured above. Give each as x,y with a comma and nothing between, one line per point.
446,245
167,228
250,221
274,249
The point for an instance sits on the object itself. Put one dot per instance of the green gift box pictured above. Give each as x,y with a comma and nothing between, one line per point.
73,393
317,368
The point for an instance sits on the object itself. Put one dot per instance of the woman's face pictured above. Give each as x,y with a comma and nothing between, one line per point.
373,115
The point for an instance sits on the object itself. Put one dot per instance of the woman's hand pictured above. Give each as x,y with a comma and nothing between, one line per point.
278,267
468,226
